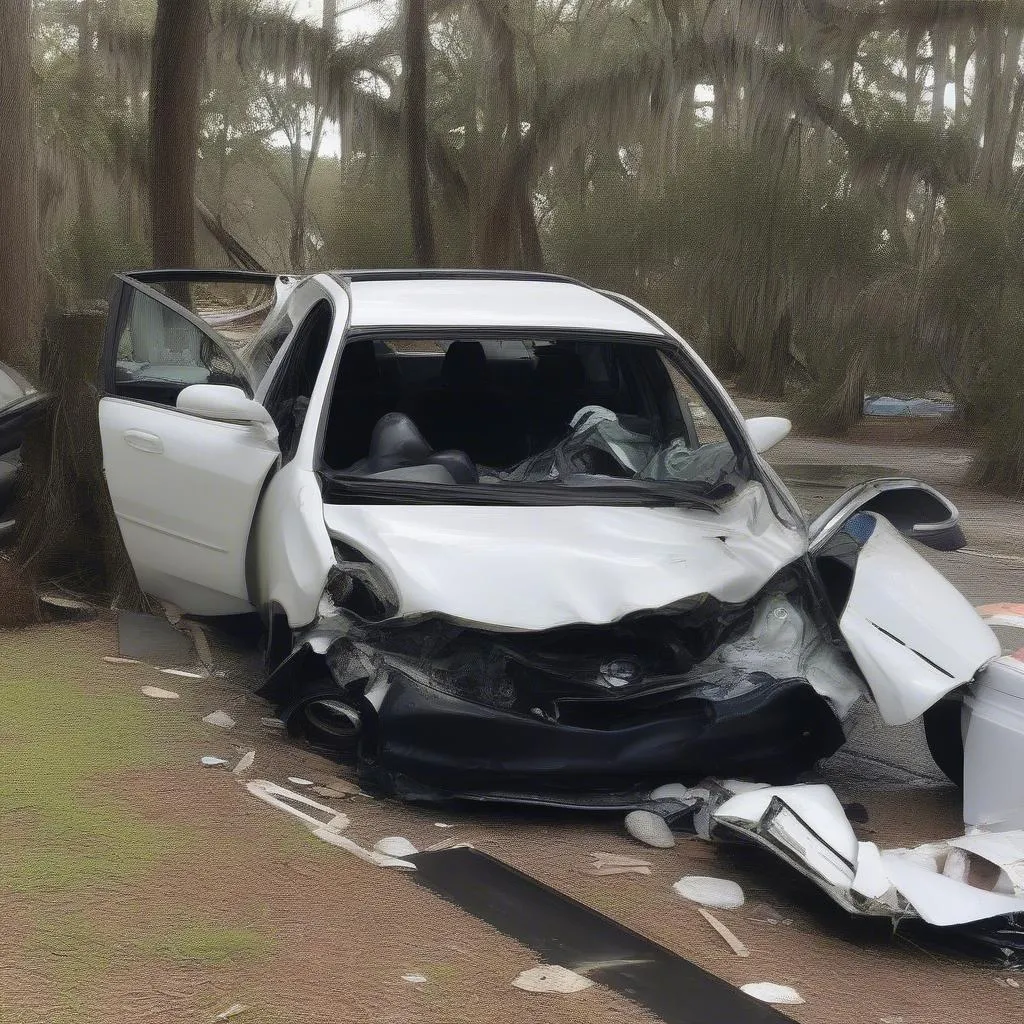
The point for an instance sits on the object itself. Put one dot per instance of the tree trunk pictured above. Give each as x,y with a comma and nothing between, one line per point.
20,269
424,245
68,526
86,208
179,57
940,76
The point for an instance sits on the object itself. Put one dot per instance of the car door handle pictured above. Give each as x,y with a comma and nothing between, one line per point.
144,441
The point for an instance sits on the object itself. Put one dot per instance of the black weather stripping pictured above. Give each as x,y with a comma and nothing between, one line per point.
568,934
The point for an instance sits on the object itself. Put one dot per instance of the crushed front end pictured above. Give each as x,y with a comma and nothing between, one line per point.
577,715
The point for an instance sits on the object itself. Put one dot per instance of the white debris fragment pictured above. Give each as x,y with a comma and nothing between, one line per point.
296,781
618,860
272,723
370,856
245,762
182,673
551,979
221,719
442,824
212,762
767,992
121,661
646,827
734,943
414,979
157,694
395,846
616,869
231,1011
720,893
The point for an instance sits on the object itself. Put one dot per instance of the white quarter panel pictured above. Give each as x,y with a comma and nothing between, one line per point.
531,568
913,634
184,490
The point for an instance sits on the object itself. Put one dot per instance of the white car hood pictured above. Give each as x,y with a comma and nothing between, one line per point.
534,568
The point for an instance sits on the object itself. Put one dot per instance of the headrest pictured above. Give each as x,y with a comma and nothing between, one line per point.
560,370
358,364
465,365
396,442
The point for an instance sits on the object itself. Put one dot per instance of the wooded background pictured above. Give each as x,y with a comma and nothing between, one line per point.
825,196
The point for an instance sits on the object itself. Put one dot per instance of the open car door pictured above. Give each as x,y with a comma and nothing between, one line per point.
186,452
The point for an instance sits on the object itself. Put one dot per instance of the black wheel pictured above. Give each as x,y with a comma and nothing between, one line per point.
945,738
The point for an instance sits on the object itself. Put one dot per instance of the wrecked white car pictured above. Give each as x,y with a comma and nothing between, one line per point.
511,539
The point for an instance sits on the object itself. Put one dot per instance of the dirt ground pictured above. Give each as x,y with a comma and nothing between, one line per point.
139,885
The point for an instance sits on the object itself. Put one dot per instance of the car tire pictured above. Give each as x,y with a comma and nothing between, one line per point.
942,729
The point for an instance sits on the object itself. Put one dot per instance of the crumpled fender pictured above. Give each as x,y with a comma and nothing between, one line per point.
914,636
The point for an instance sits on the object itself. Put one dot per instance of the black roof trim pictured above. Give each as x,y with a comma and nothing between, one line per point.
176,274
427,274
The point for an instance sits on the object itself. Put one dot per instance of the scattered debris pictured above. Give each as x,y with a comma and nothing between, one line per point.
766,914
121,661
272,723
201,644
618,860
172,612
231,1011
767,992
65,608
647,827
442,824
444,844
720,893
244,763
414,979
395,846
551,979
616,869
212,762
221,719
328,830
1013,982
182,673
734,944
296,781
158,694
326,791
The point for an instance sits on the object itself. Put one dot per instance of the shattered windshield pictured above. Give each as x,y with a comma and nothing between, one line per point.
550,413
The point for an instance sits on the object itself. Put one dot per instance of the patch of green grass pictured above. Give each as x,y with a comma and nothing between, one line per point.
64,740
206,944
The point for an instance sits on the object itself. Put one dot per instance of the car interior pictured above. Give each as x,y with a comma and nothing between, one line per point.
477,409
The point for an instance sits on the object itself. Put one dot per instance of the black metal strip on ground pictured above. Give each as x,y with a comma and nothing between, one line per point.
566,933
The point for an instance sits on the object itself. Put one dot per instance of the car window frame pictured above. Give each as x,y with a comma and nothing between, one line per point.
120,305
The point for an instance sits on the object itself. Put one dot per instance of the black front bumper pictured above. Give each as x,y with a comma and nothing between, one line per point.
422,742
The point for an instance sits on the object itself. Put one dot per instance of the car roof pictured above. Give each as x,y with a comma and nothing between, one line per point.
485,299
